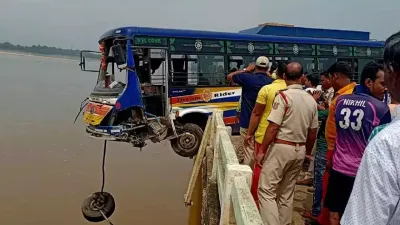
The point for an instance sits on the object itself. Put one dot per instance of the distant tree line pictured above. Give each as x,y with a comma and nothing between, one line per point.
43,50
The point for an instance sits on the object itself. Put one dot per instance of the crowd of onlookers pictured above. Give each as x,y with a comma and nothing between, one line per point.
347,132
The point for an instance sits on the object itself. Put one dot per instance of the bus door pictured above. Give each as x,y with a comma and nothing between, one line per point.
152,69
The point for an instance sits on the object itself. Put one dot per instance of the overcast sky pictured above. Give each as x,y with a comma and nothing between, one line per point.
79,23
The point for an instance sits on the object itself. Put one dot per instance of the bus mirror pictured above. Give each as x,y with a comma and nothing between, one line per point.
118,54
89,59
82,63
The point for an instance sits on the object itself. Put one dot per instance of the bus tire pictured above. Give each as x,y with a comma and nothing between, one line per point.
90,207
188,145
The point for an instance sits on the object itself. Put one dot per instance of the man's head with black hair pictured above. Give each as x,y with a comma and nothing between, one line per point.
311,80
339,74
372,77
325,81
304,80
282,69
391,58
294,73
273,67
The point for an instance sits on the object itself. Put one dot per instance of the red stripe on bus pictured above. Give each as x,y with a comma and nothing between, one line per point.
230,120
186,99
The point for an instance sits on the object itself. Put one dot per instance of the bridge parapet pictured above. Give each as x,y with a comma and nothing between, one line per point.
236,204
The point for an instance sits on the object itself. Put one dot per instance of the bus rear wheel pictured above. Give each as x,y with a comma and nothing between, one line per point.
188,144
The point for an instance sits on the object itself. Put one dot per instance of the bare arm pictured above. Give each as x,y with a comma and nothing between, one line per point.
255,118
312,132
270,136
230,76
275,120
311,137
249,69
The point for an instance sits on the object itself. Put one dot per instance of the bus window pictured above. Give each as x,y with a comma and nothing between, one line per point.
113,71
198,70
158,66
354,70
150,65
142,60
280,59
277,59
208,70
179,75
325,63
119,76
193,72
241,62
359,65
307,63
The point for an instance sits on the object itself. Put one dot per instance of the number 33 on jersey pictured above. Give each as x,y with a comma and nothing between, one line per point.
349,116
356,116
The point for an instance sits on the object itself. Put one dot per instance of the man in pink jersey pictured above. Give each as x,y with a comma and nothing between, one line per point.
356,116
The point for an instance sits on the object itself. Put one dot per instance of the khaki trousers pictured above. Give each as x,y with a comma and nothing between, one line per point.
248,149
277,182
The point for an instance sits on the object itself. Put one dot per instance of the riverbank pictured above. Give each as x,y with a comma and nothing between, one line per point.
59,57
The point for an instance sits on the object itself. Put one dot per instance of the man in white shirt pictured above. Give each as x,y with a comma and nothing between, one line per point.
376,193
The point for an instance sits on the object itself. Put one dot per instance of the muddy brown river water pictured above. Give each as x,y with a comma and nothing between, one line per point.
48,166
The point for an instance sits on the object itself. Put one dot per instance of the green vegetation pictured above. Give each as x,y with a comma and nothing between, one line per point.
42,50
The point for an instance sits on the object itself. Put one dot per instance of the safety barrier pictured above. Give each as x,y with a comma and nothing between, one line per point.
233,180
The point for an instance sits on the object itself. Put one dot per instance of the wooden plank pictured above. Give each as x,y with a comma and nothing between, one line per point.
197,164
196,208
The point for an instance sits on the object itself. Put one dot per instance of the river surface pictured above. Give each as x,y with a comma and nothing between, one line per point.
48,165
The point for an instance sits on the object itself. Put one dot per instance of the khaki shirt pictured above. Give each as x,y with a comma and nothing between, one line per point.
302,114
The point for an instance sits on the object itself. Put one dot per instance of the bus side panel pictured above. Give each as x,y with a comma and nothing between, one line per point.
206,100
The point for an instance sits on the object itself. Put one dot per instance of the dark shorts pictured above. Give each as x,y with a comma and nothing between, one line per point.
338,193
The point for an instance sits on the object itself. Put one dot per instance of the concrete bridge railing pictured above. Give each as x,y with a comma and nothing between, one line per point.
233,181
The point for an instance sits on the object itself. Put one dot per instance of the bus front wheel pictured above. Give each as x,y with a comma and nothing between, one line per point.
188,144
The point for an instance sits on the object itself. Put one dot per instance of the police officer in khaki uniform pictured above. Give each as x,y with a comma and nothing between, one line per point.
290,135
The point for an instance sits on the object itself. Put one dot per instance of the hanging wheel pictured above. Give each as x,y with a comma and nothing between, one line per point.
188,144
98,201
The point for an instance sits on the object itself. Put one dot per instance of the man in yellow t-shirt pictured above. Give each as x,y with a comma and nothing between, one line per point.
263,107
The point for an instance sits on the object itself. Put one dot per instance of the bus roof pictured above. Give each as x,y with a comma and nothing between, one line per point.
178,33
292,31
